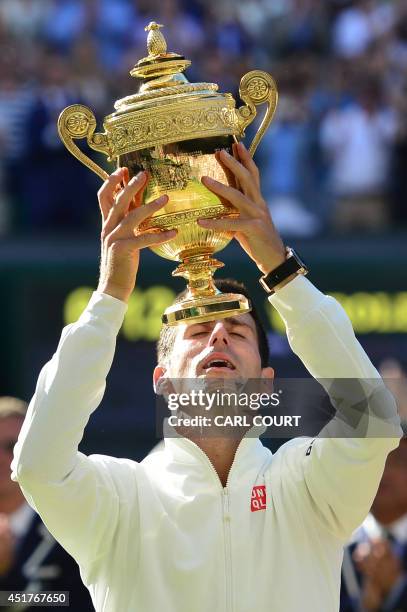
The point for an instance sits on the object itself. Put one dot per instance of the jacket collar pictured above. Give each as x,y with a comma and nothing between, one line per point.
250,454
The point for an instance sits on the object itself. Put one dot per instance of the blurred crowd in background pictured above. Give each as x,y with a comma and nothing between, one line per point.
333,160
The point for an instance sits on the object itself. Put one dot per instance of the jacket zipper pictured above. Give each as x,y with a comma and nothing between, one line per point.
227,534
227,531
228,551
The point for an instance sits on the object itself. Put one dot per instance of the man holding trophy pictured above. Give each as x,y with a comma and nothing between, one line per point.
202,524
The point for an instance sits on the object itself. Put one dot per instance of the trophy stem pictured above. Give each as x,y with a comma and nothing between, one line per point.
203,301
198,270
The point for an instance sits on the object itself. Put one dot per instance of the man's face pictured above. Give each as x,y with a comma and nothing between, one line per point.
224,348
9,430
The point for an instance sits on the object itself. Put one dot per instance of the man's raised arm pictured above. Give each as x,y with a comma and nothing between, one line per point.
78,497
343,468
341,474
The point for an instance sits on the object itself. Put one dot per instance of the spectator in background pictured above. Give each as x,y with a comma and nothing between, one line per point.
65,22
181,28
359,25
284,156
292,32
51,175
374,574
113,23
16,97
358,140
87,76
397,44
229,36
25,19
392,370
396,54
30,558
399,158
253,14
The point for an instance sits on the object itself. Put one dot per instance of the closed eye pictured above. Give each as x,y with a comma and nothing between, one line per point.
234,333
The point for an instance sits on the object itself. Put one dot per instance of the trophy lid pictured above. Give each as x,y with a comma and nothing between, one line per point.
162,75
168,109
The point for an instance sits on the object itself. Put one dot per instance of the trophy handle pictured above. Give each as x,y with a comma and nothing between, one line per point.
257,87
75,122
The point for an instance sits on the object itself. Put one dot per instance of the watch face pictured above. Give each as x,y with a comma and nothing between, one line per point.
301,263
293,265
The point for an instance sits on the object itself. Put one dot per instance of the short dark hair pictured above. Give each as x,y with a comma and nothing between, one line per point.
226,285
12,407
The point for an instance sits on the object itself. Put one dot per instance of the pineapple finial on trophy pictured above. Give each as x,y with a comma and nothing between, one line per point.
156,43
159,62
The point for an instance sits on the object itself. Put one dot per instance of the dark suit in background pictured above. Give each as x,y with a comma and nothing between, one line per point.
41,564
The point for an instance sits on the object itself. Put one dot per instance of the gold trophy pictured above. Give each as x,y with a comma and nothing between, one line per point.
172,128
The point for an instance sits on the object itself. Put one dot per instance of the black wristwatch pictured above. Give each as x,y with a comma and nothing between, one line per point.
292,265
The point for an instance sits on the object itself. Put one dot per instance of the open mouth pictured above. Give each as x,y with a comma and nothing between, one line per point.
219,363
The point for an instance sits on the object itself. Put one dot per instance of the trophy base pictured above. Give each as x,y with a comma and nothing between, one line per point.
201,309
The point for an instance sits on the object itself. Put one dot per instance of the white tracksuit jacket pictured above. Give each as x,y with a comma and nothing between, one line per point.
163,535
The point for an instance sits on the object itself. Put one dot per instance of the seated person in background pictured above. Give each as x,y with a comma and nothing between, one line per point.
374,572
30,559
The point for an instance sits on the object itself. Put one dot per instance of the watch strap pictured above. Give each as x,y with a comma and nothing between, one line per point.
292,265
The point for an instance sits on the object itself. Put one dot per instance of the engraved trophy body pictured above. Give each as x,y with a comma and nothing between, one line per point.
172,129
